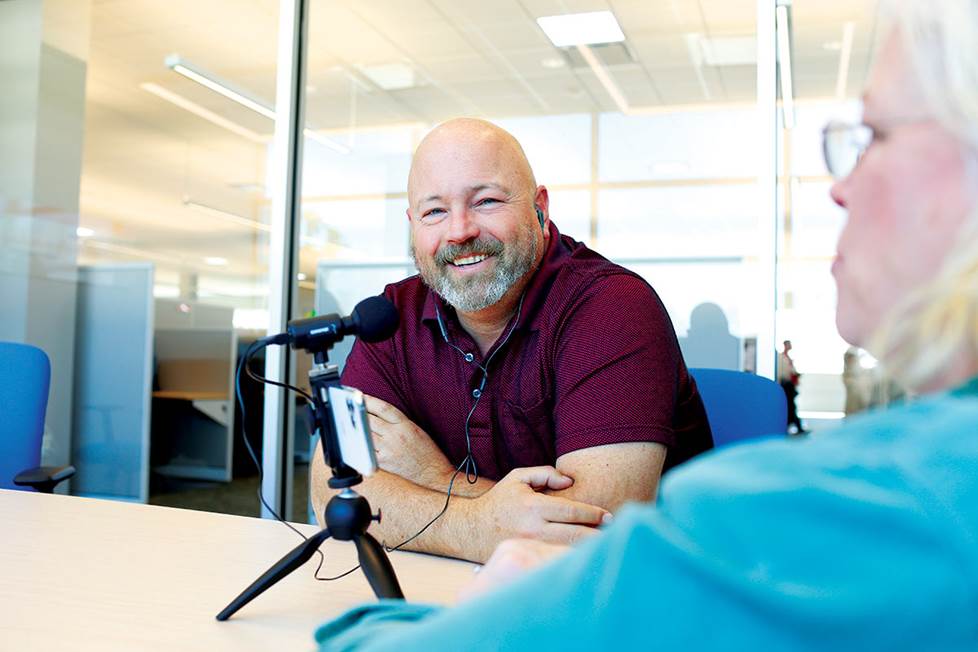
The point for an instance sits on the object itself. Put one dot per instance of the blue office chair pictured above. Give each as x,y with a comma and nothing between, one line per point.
25,377
741,406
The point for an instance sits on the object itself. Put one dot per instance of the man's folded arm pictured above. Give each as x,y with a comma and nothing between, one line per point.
611,475
469,528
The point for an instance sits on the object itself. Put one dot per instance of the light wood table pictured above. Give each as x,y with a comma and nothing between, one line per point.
86,574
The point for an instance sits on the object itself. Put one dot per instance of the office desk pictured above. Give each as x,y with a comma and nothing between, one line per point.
85,574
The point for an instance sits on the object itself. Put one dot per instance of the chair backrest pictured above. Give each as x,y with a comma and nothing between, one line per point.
740,405
25,377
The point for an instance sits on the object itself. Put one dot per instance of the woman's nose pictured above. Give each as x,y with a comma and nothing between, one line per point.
838,192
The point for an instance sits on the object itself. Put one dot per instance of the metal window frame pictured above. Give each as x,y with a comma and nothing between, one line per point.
286,194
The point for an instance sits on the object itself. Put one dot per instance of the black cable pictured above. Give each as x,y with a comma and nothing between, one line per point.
414,536
444,509
261,379
252,349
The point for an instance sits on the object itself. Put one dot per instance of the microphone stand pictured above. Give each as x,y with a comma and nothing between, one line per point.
347,514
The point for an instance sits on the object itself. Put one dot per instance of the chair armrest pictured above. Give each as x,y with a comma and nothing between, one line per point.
44,478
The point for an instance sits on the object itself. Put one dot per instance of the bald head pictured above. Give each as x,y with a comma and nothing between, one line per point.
468,151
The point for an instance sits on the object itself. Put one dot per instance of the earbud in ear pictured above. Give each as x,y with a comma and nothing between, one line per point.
540,217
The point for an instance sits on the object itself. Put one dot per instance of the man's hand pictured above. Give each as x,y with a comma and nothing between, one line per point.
514,507
404,448
512,559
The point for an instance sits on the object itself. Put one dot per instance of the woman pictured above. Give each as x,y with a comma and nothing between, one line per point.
863,538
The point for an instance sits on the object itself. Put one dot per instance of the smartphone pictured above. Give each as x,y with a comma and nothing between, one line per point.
353,429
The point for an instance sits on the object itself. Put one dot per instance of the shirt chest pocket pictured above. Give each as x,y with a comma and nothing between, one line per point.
527,433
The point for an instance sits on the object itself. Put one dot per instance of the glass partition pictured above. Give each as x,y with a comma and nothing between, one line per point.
135,231
830,52
646,144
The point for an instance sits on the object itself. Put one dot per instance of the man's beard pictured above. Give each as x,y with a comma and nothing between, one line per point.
474,292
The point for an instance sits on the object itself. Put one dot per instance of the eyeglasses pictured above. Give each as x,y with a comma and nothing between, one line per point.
843,144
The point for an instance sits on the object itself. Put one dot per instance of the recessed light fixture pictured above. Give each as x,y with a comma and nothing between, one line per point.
216,261
300,276
832,46
84,232
581,29
553,63
390,76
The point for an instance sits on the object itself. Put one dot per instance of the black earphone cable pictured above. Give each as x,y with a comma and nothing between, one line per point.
243,364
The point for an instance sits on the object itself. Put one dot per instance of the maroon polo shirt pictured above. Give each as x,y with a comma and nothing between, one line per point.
593,359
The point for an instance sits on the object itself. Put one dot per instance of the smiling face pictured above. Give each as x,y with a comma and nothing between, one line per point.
907,199
474,230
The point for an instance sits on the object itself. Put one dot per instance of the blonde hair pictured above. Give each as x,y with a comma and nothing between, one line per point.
934,331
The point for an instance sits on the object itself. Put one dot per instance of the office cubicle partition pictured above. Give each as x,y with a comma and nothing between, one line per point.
112,381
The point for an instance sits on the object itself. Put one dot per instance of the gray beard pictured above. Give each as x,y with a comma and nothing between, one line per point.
479,291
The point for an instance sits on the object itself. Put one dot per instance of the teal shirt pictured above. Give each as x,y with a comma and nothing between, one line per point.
862,538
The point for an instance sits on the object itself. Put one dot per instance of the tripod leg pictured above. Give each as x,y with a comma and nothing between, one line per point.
297,557
377,567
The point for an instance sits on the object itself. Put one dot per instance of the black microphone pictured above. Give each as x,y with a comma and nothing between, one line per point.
374,319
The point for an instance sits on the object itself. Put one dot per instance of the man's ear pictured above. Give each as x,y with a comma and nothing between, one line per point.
542,202
407,212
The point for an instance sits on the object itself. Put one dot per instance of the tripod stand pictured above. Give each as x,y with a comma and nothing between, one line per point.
347,514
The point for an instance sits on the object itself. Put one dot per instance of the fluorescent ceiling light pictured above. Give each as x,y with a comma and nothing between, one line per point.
133,252
216,261
784,66
697,53
323,140
206,114
581,29
228,217
84,232
178,65
605,78
845,56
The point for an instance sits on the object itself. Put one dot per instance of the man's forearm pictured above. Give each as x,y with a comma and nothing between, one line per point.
460,487
407,507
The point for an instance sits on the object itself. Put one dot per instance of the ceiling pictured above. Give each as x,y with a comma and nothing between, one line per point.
146,158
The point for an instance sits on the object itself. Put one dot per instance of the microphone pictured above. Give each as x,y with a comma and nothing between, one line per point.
374,319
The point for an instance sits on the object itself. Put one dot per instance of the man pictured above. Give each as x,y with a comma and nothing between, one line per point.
788,378
539,383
